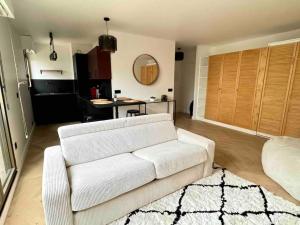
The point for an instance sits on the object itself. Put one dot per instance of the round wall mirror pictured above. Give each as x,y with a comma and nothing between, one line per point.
145,69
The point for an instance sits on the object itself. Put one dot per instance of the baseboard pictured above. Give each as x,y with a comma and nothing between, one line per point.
16,181
265,135
229,126
247,131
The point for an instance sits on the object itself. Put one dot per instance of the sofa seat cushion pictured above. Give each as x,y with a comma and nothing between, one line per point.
96,182
172,157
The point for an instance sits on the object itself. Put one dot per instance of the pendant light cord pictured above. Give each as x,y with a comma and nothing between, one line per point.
106,19
106,28
51,42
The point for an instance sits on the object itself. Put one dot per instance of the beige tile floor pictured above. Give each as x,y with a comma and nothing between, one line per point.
238,152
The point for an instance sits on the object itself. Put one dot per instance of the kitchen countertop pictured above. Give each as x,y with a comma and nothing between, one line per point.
54,94
115,104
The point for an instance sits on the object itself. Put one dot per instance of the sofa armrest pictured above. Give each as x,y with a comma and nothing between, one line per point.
209,145
56,189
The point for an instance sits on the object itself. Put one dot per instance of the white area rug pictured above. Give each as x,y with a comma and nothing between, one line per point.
220,199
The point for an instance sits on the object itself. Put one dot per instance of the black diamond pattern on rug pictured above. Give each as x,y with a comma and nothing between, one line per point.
226,194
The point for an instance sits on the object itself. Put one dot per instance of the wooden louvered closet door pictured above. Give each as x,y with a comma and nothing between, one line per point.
276,86
292,120
213,82
228,87
245,95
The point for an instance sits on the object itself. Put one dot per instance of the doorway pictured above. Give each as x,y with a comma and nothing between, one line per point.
184,81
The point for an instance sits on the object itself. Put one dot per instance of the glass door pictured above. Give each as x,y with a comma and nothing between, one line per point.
7,163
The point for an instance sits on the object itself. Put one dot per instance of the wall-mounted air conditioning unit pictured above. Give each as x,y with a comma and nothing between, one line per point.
6,9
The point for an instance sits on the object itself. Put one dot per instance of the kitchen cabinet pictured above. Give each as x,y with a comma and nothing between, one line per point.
54,101
99,64
55,108
80,63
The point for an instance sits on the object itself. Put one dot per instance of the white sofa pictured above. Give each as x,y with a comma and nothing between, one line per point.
103,170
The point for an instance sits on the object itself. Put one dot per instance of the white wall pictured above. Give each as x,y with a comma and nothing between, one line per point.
65,52
184,80
203,52
41,61
254,42
14,112
19,58
131,46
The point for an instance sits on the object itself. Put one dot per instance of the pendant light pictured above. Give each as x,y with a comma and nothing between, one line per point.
53,54
107,42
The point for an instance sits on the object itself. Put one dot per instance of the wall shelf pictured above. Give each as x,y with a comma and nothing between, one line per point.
52,71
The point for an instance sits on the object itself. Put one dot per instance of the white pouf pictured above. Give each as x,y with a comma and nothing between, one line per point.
281,162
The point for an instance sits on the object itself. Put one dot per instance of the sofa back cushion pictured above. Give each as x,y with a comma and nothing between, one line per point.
87,142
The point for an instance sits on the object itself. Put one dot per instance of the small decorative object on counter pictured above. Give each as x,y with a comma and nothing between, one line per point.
152,99
98,91
164,98
116,95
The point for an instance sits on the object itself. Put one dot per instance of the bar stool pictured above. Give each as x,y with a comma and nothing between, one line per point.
132,112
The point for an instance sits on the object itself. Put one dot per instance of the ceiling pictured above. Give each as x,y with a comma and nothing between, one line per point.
189,22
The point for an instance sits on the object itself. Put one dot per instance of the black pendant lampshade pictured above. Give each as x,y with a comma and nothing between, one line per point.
53,56
107,42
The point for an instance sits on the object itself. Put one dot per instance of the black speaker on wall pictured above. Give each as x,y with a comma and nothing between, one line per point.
179,55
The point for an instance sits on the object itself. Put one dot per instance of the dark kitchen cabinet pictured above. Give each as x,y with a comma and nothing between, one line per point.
99,65
55,108
81,74
54,101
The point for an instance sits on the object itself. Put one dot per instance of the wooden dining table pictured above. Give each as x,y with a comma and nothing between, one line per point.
109,103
